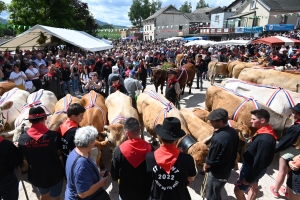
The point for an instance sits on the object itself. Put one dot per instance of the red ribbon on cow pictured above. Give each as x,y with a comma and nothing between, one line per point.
135,151
166,156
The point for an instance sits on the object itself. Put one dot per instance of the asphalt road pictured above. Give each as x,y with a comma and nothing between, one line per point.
196,99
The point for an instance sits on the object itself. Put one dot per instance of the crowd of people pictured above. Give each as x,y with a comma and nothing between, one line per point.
141,172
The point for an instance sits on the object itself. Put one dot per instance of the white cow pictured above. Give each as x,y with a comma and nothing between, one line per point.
44,98
277,99
8,115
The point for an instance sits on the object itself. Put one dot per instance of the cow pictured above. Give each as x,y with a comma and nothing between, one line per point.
201,114
44,98
159,78
230,67
5,86
153,108
119,109
191,71
276,98
8,115
216,69
178,59
218,97
271,78
95,115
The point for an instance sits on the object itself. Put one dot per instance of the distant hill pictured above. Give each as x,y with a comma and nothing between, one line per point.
3,21
101,23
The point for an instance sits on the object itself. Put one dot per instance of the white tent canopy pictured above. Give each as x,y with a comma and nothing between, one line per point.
203,43
81,39
233,42
173,38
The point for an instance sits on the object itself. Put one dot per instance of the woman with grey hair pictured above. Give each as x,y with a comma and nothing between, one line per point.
84,181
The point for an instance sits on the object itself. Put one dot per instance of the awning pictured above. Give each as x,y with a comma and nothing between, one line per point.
233,42
277,41
80,39
240,15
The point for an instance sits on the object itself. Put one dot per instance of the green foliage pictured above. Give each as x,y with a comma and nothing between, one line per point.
201,4
186,7
72,14
167,66
4,31
2,6
141,10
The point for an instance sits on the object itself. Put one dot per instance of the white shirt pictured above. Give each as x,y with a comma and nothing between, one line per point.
37,62
86,77
14,75
32,72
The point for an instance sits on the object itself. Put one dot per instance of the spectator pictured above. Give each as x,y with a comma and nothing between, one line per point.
106,71
41,148
75,77
7,72
129,165
222,153
10,158
68,128
117,85
42,69
257,157
142,73
52,81
200,68
66,74
85,76
39,60
115,72
132,85
292,182
94,84
18,77
33,75
168,161
173,90
83,177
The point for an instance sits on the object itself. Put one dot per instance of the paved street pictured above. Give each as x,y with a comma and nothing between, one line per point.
196,99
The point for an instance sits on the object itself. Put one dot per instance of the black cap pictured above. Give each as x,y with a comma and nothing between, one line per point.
296,108
37,113
217,114
170,130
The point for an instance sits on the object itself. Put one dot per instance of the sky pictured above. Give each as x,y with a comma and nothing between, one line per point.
116,11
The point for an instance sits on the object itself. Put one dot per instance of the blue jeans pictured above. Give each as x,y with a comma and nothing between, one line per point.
54,190
9,188
75,83
63,89
214,187
149,71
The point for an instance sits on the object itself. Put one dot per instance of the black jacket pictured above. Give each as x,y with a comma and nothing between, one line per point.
290,138
200,67
293,179
223,151
259,154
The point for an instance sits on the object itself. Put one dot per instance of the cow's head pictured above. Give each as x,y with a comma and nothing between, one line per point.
156,75
199,152
115,134
244,132
5,106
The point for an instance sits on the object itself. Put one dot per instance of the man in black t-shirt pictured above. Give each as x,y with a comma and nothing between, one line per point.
222,154
68,128
41,148
171,170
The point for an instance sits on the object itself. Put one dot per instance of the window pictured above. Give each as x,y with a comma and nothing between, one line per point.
298,22
150,27
145,37
253,4
180,27
151,37
217,18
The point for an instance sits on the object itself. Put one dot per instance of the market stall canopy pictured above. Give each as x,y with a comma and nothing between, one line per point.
276,41
173,38
203,43
233,42
28,39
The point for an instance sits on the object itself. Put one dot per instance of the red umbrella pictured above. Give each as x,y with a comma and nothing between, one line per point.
277,40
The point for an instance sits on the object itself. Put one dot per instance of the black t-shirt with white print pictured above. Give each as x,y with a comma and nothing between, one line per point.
174,185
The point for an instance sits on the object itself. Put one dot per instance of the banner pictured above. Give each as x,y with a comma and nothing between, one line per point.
239,30
279,27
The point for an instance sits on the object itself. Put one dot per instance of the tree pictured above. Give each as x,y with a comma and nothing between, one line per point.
142,9
72,14
201,4
186,7
2,6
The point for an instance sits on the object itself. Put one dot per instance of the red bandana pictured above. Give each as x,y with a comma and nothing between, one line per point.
108,65
166,156
135,151
170,81
92,67
267,130
51,75
65,126
1,139
116,86
37,131
297,121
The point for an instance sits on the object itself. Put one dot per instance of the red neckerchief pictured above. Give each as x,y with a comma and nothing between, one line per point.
92,67
66,125
51,75
80,69
116,86
135,151
297,121
275,58
267,130
37,131
57,65
294,57
1,139
166,156
170,81
108,65
199,61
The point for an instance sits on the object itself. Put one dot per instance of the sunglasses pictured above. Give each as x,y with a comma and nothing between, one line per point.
93,74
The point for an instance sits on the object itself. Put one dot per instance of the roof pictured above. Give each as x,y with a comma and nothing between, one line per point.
197,17
80,39
167,9
232,4
286,5
240,15
204,10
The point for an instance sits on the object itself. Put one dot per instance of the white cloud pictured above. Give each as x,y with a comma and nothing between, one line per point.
116,11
